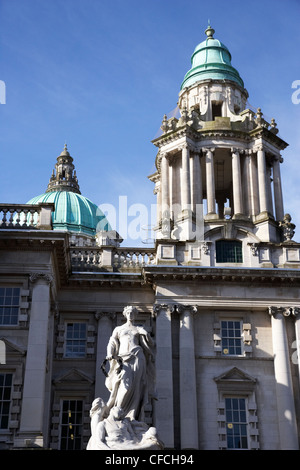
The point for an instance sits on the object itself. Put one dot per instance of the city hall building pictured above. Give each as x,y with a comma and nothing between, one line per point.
218,291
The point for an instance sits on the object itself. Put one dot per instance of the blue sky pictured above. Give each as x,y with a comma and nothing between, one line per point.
100,74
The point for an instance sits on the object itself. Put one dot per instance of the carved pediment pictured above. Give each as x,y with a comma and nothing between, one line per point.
73,376
11,348
235,378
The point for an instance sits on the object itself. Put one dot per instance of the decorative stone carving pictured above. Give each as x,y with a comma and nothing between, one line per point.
285,311
254,249
205,248
48,278
287,227
119,423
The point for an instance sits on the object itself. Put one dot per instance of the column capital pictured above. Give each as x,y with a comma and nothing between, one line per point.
169,308
278,158
237,150
163,154
258,147
38,276
296,312
192,309
208,149
100,314
285,311
188,146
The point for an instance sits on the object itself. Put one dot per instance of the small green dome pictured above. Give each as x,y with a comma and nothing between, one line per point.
74,212
211,60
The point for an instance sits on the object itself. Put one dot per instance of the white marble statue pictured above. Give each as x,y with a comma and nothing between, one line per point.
118,424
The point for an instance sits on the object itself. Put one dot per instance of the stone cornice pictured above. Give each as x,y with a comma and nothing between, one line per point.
40,241
214,275
269,136
107,280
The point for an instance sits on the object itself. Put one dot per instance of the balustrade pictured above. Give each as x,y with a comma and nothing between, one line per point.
133,258
91,258
21,216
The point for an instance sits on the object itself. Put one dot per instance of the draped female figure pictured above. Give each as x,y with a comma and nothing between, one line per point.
131,374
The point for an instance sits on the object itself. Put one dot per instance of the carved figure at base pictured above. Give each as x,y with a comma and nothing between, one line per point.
119,433
119,423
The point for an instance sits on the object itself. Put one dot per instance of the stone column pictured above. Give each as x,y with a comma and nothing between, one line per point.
165,198
237,182
185,182
278,199
188,390
105,327
210,182
254,201
164,413
246,184
31,431
196,181
284,387
262,179
165,184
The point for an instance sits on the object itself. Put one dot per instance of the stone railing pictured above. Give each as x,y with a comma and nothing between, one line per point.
129,258
111,258
26,216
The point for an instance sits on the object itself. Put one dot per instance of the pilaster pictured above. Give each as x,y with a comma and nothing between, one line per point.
32,432
164,414
188,389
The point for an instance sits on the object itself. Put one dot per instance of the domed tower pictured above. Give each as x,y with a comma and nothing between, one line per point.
218,164
73,212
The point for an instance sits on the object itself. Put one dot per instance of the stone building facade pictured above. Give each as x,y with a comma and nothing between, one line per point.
218,291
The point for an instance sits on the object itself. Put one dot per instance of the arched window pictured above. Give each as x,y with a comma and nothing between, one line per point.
229,251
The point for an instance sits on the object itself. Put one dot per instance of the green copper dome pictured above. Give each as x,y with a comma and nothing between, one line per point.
74,212
211,60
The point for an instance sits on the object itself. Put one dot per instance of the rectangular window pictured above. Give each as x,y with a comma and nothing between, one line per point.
231,334
75,340
236,423
71,425
229,251
9,305
5,393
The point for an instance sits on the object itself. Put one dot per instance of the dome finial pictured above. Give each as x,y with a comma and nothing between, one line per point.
209,31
